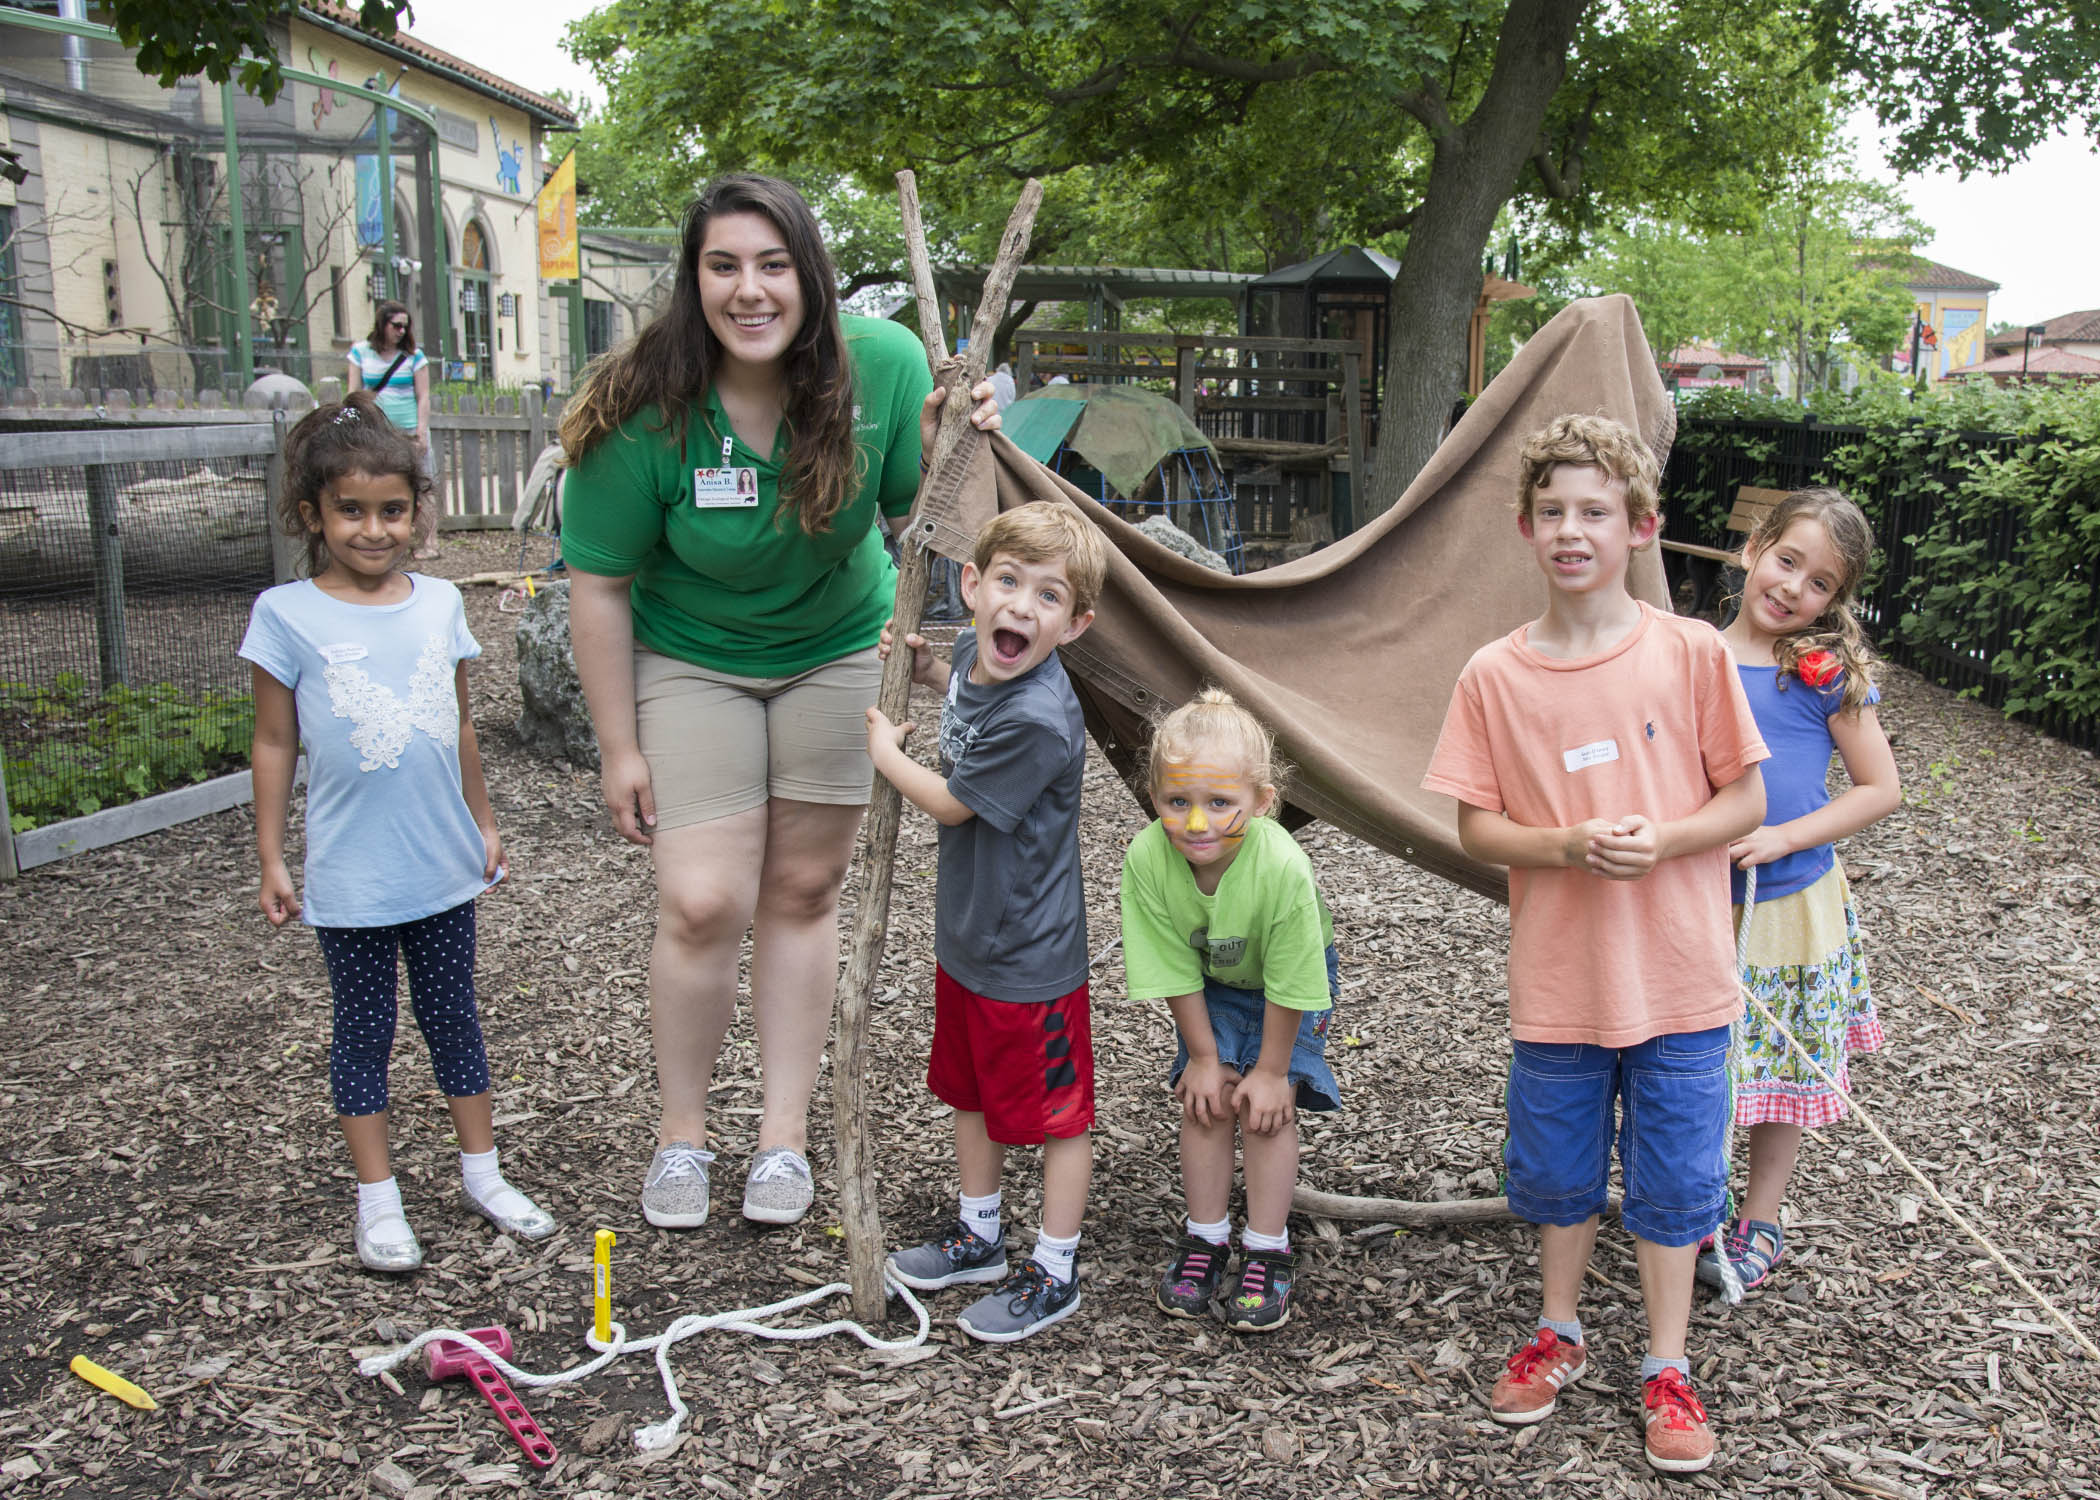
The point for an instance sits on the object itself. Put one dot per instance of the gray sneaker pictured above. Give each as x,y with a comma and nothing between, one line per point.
780,1188
959,1255
1026,1301
674,1194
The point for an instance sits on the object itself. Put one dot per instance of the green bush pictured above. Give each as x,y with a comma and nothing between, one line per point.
1994,495
87,752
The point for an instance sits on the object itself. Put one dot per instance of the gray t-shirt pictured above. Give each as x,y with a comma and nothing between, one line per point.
1009,912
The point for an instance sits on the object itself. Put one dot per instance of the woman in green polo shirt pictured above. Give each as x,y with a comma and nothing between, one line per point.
729,587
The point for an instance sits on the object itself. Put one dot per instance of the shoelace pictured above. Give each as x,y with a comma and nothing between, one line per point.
776,1166
681,1161
1527,1359
1254,1282
1024,1284
1679,1405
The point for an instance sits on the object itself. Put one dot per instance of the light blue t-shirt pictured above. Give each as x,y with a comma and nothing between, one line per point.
397,398
389,838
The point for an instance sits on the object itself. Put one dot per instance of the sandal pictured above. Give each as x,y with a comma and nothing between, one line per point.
1745,1249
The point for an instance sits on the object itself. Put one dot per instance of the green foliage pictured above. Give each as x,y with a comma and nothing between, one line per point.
177,39
86,752
1816,276
1994,498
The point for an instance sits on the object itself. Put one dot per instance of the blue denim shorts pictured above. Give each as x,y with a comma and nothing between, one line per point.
1673,1132
1236,1020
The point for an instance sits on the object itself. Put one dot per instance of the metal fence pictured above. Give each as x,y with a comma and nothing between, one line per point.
1711,459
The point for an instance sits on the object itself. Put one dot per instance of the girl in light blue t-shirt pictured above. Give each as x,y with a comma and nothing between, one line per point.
364,666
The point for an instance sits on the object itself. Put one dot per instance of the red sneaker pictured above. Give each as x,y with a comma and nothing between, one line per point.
1679,1441
1531,1385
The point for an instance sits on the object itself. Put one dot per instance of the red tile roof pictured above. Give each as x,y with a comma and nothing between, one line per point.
1931,276
2037,363
549,111
1709,354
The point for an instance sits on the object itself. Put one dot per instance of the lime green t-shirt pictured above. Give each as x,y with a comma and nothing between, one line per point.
743,589
1266,928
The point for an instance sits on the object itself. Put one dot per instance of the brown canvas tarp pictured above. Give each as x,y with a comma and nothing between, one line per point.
1350,653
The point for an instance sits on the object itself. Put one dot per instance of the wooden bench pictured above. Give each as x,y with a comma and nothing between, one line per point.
1751,507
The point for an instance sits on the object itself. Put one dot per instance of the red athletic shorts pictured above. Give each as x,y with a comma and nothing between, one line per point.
1028,1069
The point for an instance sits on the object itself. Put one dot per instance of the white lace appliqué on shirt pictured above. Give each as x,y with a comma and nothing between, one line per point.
384,723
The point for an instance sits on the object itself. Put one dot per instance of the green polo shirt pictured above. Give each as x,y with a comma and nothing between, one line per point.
745,590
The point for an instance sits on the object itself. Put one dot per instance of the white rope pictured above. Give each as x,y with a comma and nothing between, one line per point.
742,1320
1731,1281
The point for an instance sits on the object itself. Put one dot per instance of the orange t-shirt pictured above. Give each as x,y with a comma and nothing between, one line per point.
1654,725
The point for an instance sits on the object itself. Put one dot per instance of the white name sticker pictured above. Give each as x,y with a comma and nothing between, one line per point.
716,489
1596,753
346,651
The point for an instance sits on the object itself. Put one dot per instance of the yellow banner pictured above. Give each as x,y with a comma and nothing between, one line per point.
557,215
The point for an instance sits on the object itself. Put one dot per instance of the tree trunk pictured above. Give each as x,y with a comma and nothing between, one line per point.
1472,174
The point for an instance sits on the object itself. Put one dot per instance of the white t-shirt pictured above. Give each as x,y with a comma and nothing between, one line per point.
389,838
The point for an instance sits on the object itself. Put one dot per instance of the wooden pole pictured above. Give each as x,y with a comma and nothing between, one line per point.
861,1218
106,543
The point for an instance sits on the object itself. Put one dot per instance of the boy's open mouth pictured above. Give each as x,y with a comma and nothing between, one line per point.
1009,646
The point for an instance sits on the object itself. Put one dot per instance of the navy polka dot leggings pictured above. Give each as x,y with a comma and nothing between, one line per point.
361,971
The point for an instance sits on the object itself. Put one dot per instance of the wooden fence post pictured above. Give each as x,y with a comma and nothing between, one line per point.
106,538
286,551
858,1212
1353,413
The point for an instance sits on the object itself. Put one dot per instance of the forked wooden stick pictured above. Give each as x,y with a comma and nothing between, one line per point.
860,1217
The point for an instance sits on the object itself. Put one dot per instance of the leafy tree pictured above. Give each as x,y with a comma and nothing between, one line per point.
1287,126
1818,278
180,38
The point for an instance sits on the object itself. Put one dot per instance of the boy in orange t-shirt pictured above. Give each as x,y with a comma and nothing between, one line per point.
1606,754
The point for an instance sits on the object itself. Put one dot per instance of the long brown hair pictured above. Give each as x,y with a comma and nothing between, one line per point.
669,365
1837,630
351,436
384,314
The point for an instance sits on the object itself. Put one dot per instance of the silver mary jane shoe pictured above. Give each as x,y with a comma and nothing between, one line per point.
529,1222
389,1255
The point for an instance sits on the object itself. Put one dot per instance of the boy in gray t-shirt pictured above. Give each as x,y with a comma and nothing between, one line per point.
1012,1045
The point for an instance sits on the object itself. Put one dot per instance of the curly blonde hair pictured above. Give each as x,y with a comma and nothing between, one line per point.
1611,446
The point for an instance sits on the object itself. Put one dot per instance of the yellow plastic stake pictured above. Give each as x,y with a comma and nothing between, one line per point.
531,592
601,1285
116,1385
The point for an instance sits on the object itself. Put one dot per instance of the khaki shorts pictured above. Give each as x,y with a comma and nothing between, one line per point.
719,744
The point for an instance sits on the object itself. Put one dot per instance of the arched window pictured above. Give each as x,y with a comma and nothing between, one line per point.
476,314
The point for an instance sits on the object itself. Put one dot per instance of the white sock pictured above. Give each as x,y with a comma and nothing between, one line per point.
484,1183
981,1216
382,1200
1254,1239
1219,1233
1055,1255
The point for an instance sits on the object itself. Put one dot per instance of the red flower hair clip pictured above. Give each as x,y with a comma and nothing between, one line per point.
1817,668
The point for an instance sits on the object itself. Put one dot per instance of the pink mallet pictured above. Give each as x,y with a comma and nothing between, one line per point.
443,1360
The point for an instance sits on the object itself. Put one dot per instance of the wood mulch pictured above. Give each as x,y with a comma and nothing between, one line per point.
175,1202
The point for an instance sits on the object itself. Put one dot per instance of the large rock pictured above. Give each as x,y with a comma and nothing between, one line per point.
555,721
1172,537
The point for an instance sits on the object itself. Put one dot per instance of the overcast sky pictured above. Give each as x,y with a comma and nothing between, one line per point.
2032,230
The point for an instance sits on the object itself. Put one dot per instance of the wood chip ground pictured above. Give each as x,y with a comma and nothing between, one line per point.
175,1202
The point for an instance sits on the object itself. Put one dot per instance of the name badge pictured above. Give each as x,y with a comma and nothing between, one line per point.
1596,753
731,488
335,656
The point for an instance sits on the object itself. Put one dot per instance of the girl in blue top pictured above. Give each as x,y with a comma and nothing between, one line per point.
1804,664
365,664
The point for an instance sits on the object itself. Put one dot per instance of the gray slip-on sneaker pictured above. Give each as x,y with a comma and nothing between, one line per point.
674,1194
779,1189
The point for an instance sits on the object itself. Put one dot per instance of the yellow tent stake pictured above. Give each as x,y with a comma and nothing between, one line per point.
116,1385
601,1285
